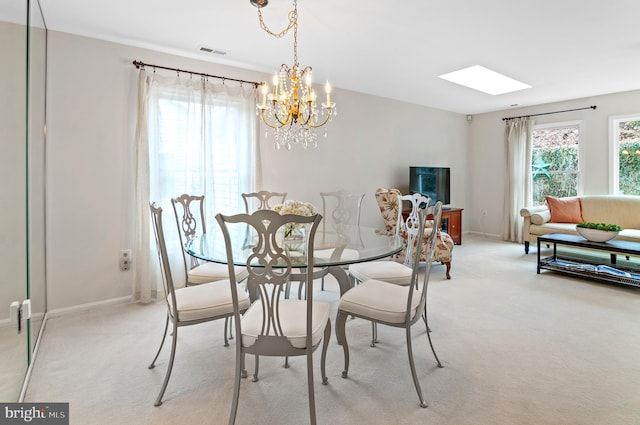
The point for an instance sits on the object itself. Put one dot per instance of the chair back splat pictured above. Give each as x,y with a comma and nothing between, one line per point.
263,199
410,226
273,325
189,212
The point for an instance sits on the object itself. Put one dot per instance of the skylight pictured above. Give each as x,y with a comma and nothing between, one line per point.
485,80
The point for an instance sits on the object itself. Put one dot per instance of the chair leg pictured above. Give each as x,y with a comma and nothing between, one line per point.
426,322
255,372
374,334
424,318
312,399
341,336
412,365
323,359
164,336
174,341
287,290
244,373
240,371
447,273
227,328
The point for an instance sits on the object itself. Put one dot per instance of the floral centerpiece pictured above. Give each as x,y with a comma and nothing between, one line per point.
294,207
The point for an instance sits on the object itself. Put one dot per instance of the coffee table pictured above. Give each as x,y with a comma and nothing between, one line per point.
591,268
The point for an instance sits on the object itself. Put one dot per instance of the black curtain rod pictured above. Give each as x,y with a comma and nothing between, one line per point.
139,65
549,113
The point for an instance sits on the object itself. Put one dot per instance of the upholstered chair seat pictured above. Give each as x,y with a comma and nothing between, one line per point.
292,327
389,271
212,299
210,272
379,301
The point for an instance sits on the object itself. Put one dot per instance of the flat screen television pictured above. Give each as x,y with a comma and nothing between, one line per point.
433,182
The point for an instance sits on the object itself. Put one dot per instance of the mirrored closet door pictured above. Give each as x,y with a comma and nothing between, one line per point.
22,185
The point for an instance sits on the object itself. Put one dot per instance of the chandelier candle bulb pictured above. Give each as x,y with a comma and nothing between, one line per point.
265,89
327,88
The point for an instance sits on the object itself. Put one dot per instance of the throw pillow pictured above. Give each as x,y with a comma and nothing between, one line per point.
564,210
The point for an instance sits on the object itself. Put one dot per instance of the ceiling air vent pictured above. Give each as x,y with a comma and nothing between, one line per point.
214,51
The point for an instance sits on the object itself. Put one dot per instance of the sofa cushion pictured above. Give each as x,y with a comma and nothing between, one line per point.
564,210
629,235
623,210
568,228
541,217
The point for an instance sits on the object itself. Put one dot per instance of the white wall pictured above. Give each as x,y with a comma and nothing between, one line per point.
487,151
372,143
91,122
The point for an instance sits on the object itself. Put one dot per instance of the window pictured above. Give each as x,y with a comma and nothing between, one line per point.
625,155
201,143
555,160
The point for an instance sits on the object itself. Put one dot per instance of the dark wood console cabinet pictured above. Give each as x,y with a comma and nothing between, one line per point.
451,222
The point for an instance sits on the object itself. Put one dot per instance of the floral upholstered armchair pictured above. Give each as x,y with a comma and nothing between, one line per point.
389,208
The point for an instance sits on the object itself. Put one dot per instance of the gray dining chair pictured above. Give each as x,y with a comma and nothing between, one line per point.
190,305
274,326
394,305
190,220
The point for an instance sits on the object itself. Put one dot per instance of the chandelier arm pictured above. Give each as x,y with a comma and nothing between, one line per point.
279,124
326,119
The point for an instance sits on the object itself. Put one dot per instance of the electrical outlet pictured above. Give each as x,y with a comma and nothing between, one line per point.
125,259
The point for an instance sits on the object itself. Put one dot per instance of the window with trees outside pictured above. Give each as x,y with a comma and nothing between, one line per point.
625,155
555,160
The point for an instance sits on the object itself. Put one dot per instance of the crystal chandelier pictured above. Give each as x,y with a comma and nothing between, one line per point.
290,107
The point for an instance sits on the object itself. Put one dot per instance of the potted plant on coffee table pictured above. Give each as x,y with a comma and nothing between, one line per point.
597,232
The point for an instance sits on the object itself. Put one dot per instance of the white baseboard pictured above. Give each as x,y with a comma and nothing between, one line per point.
88,306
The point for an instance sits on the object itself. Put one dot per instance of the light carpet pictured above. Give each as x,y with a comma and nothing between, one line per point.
517,348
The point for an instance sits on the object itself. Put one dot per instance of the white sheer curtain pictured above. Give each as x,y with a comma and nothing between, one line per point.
193,136
518,188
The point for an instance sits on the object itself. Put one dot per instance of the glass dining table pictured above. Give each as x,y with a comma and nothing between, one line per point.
332,249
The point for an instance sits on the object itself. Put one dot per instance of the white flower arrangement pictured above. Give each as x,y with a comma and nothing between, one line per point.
294,207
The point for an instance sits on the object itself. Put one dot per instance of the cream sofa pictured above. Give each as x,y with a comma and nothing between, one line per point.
623,210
